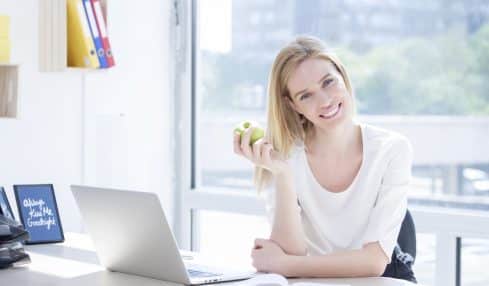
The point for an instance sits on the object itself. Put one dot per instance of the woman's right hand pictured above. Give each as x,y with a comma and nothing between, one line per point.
261,153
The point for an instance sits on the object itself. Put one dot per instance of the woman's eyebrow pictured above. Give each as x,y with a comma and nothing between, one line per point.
304,90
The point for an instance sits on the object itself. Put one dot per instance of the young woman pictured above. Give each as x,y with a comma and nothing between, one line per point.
336,189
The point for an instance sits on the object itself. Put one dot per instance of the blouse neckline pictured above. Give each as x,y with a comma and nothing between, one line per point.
355,179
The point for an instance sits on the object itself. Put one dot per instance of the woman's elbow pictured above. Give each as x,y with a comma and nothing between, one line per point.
377,259
377,268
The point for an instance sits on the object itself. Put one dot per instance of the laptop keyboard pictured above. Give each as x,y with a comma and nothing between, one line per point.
196,273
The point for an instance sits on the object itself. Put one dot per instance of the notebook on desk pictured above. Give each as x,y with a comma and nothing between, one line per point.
131,235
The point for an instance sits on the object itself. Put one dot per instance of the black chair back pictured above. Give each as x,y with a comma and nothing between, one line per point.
404,253
407,235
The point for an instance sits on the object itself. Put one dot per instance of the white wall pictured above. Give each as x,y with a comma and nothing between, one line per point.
107,128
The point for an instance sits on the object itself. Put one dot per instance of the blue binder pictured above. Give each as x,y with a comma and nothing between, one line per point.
97,40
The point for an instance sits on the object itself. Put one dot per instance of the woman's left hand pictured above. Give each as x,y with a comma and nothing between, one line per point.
268,256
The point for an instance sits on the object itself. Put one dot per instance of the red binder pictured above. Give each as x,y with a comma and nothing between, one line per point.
102,28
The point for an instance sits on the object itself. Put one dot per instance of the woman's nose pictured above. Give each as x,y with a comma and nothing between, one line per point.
326,100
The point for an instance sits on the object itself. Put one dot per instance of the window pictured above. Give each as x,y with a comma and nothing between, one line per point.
426,78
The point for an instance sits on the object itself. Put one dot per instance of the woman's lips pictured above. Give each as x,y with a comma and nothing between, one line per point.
332,113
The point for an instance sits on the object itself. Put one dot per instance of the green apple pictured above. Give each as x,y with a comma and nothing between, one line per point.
256,134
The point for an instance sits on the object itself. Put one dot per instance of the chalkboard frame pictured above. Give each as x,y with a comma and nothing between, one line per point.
3,197
18,189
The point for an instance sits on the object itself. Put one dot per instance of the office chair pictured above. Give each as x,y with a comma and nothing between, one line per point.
404,253
407,235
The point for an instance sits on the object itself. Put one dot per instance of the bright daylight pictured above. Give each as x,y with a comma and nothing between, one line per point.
244,142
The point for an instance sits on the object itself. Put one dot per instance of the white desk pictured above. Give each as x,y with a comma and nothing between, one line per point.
75,263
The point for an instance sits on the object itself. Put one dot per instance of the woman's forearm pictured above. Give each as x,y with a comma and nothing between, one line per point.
287,229
366,262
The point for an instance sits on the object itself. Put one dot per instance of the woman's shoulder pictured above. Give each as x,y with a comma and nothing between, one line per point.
295,152
385,138
296,148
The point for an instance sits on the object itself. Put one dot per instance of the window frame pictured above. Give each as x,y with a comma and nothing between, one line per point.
188,197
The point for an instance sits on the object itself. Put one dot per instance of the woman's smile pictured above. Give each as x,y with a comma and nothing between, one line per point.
332,112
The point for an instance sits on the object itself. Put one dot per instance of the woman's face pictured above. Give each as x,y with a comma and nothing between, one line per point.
319,93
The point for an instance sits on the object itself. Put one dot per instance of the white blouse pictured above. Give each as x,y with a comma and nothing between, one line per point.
371,209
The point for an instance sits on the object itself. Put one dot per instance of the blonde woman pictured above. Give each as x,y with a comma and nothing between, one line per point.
336,189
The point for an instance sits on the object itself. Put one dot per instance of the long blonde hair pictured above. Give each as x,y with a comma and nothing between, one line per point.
285,126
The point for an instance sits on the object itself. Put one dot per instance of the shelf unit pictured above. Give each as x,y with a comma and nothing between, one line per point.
53,35
9,74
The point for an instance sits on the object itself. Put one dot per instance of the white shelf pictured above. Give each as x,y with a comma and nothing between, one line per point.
9,74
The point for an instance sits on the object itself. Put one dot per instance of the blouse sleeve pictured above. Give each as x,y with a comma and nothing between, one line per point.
269,197
390,207
270,189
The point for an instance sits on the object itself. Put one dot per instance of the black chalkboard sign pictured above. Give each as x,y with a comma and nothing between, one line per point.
38,213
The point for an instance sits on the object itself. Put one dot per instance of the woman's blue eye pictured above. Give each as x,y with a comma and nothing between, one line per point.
326,82
304,96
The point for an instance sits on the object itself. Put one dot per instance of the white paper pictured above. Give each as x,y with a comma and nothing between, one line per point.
317,284
266,280
279,280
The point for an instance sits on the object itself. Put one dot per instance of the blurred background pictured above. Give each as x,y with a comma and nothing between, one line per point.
418,67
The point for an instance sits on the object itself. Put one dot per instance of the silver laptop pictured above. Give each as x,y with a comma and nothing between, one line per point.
131,235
